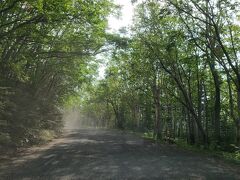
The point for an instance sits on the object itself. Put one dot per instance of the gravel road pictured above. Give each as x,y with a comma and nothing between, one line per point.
111,154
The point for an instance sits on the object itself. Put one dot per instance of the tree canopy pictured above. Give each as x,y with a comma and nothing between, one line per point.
177,75
174,75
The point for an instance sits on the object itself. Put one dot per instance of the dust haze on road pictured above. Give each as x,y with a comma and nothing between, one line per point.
111,154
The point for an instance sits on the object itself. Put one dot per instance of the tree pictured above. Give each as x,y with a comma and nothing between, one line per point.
47,50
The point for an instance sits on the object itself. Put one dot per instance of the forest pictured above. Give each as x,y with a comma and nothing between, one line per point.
174,75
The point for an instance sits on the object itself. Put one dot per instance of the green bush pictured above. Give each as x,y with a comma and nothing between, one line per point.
148,135
5,139
46,135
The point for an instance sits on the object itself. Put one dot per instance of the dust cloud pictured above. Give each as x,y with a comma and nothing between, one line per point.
72,119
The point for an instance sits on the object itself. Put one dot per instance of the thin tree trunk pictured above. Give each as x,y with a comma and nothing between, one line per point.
190,129
206,109
217,102
211,61
238,114
157,116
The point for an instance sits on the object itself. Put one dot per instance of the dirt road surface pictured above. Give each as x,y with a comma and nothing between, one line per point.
111,154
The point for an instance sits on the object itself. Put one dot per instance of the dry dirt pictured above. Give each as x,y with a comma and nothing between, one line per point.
111,154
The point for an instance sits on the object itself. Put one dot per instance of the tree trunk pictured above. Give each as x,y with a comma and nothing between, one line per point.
206,110
158,125
217,102
238,114
211,61
191,137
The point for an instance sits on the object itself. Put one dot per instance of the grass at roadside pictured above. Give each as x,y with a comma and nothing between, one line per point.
233,157
9,148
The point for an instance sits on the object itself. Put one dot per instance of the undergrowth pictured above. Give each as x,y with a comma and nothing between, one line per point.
233,157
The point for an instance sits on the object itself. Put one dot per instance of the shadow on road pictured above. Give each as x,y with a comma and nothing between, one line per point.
109,154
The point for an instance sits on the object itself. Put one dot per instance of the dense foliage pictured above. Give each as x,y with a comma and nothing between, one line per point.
174,76
177,76
47,49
